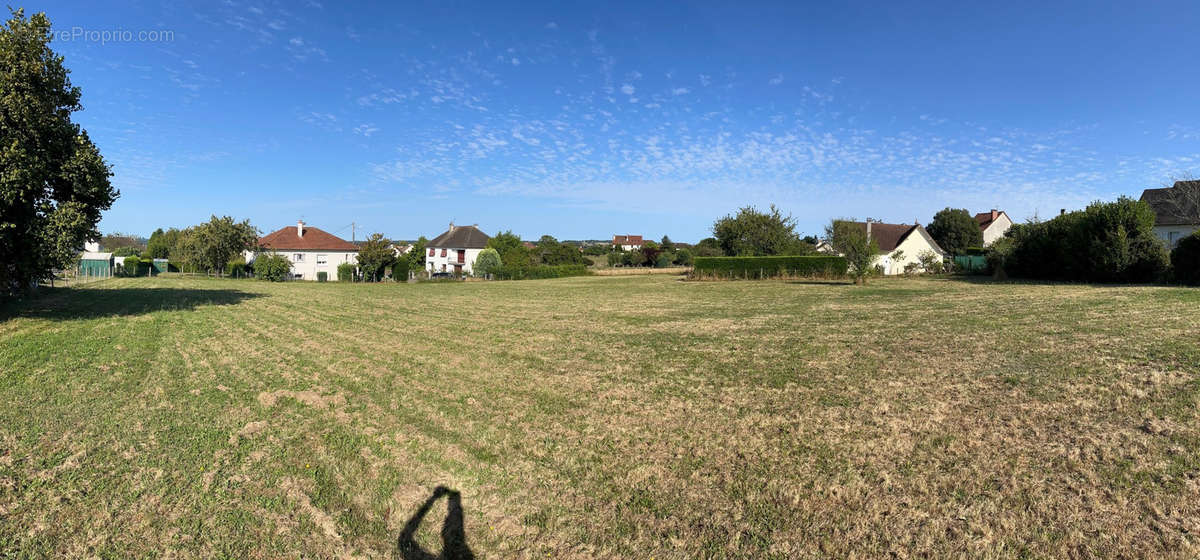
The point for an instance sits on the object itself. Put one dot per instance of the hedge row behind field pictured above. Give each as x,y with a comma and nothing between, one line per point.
769,267
507,272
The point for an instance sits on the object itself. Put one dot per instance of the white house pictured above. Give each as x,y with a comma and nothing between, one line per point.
627,242
1176,210
310,250
899,245
993,225
455,251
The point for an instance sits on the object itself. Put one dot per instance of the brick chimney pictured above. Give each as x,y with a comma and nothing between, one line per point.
299,228
451,226
995,214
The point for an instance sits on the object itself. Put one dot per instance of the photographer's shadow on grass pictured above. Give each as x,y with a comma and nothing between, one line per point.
454,539
65,304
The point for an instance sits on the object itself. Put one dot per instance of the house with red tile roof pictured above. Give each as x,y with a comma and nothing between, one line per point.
993,225
627,242
310,250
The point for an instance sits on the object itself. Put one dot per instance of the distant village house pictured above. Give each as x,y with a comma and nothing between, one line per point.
627,242
310,250
899,245
455,250
993,225
1176,210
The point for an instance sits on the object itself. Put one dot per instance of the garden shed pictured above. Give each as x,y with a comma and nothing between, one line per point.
95,264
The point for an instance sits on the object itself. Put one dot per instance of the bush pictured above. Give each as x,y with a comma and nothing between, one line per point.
1106,242
400,269
1185,259
508,272
272,267
683,257
346,272
132,266
487,262
237,268
616,259
664,260
768,267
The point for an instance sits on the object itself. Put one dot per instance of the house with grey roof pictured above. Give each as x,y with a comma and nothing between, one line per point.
455,250
1176,210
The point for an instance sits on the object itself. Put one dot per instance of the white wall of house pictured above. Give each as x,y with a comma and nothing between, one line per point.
445,260
996,229
908,251
630,247
1170,235
307,263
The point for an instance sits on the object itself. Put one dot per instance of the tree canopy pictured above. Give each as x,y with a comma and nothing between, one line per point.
955,229
512,250
752,233
853,243
374,256
209,246
55,183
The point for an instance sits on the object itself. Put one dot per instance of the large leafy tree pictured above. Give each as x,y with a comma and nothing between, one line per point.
851,241
955,230
53,182
375,255
209,246
512,250
488,262
753,233
158,247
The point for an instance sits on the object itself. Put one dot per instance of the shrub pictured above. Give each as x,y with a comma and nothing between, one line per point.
237,268
1185,259
616,259
1106,242
635,258
346,272
508,272
272,267
929,262
767,267
683,257
132,266
664,260
400,269
487,262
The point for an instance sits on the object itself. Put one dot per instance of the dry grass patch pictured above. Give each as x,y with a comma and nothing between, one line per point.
636,416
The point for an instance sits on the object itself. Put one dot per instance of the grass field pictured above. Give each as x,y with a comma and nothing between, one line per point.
633,417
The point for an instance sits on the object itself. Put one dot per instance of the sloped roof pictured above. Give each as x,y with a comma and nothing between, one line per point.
890,236
627,240
985,218
460,237
1177,205
314,239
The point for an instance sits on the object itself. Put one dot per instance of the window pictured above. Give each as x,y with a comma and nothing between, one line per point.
322,259
431,251
443,252
1172,238
298,257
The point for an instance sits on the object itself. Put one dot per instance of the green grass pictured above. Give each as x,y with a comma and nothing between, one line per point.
624,416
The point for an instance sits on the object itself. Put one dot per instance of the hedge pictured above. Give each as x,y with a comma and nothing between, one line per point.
1185,259
767,267
507,272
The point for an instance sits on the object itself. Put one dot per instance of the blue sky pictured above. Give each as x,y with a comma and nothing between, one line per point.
582,120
